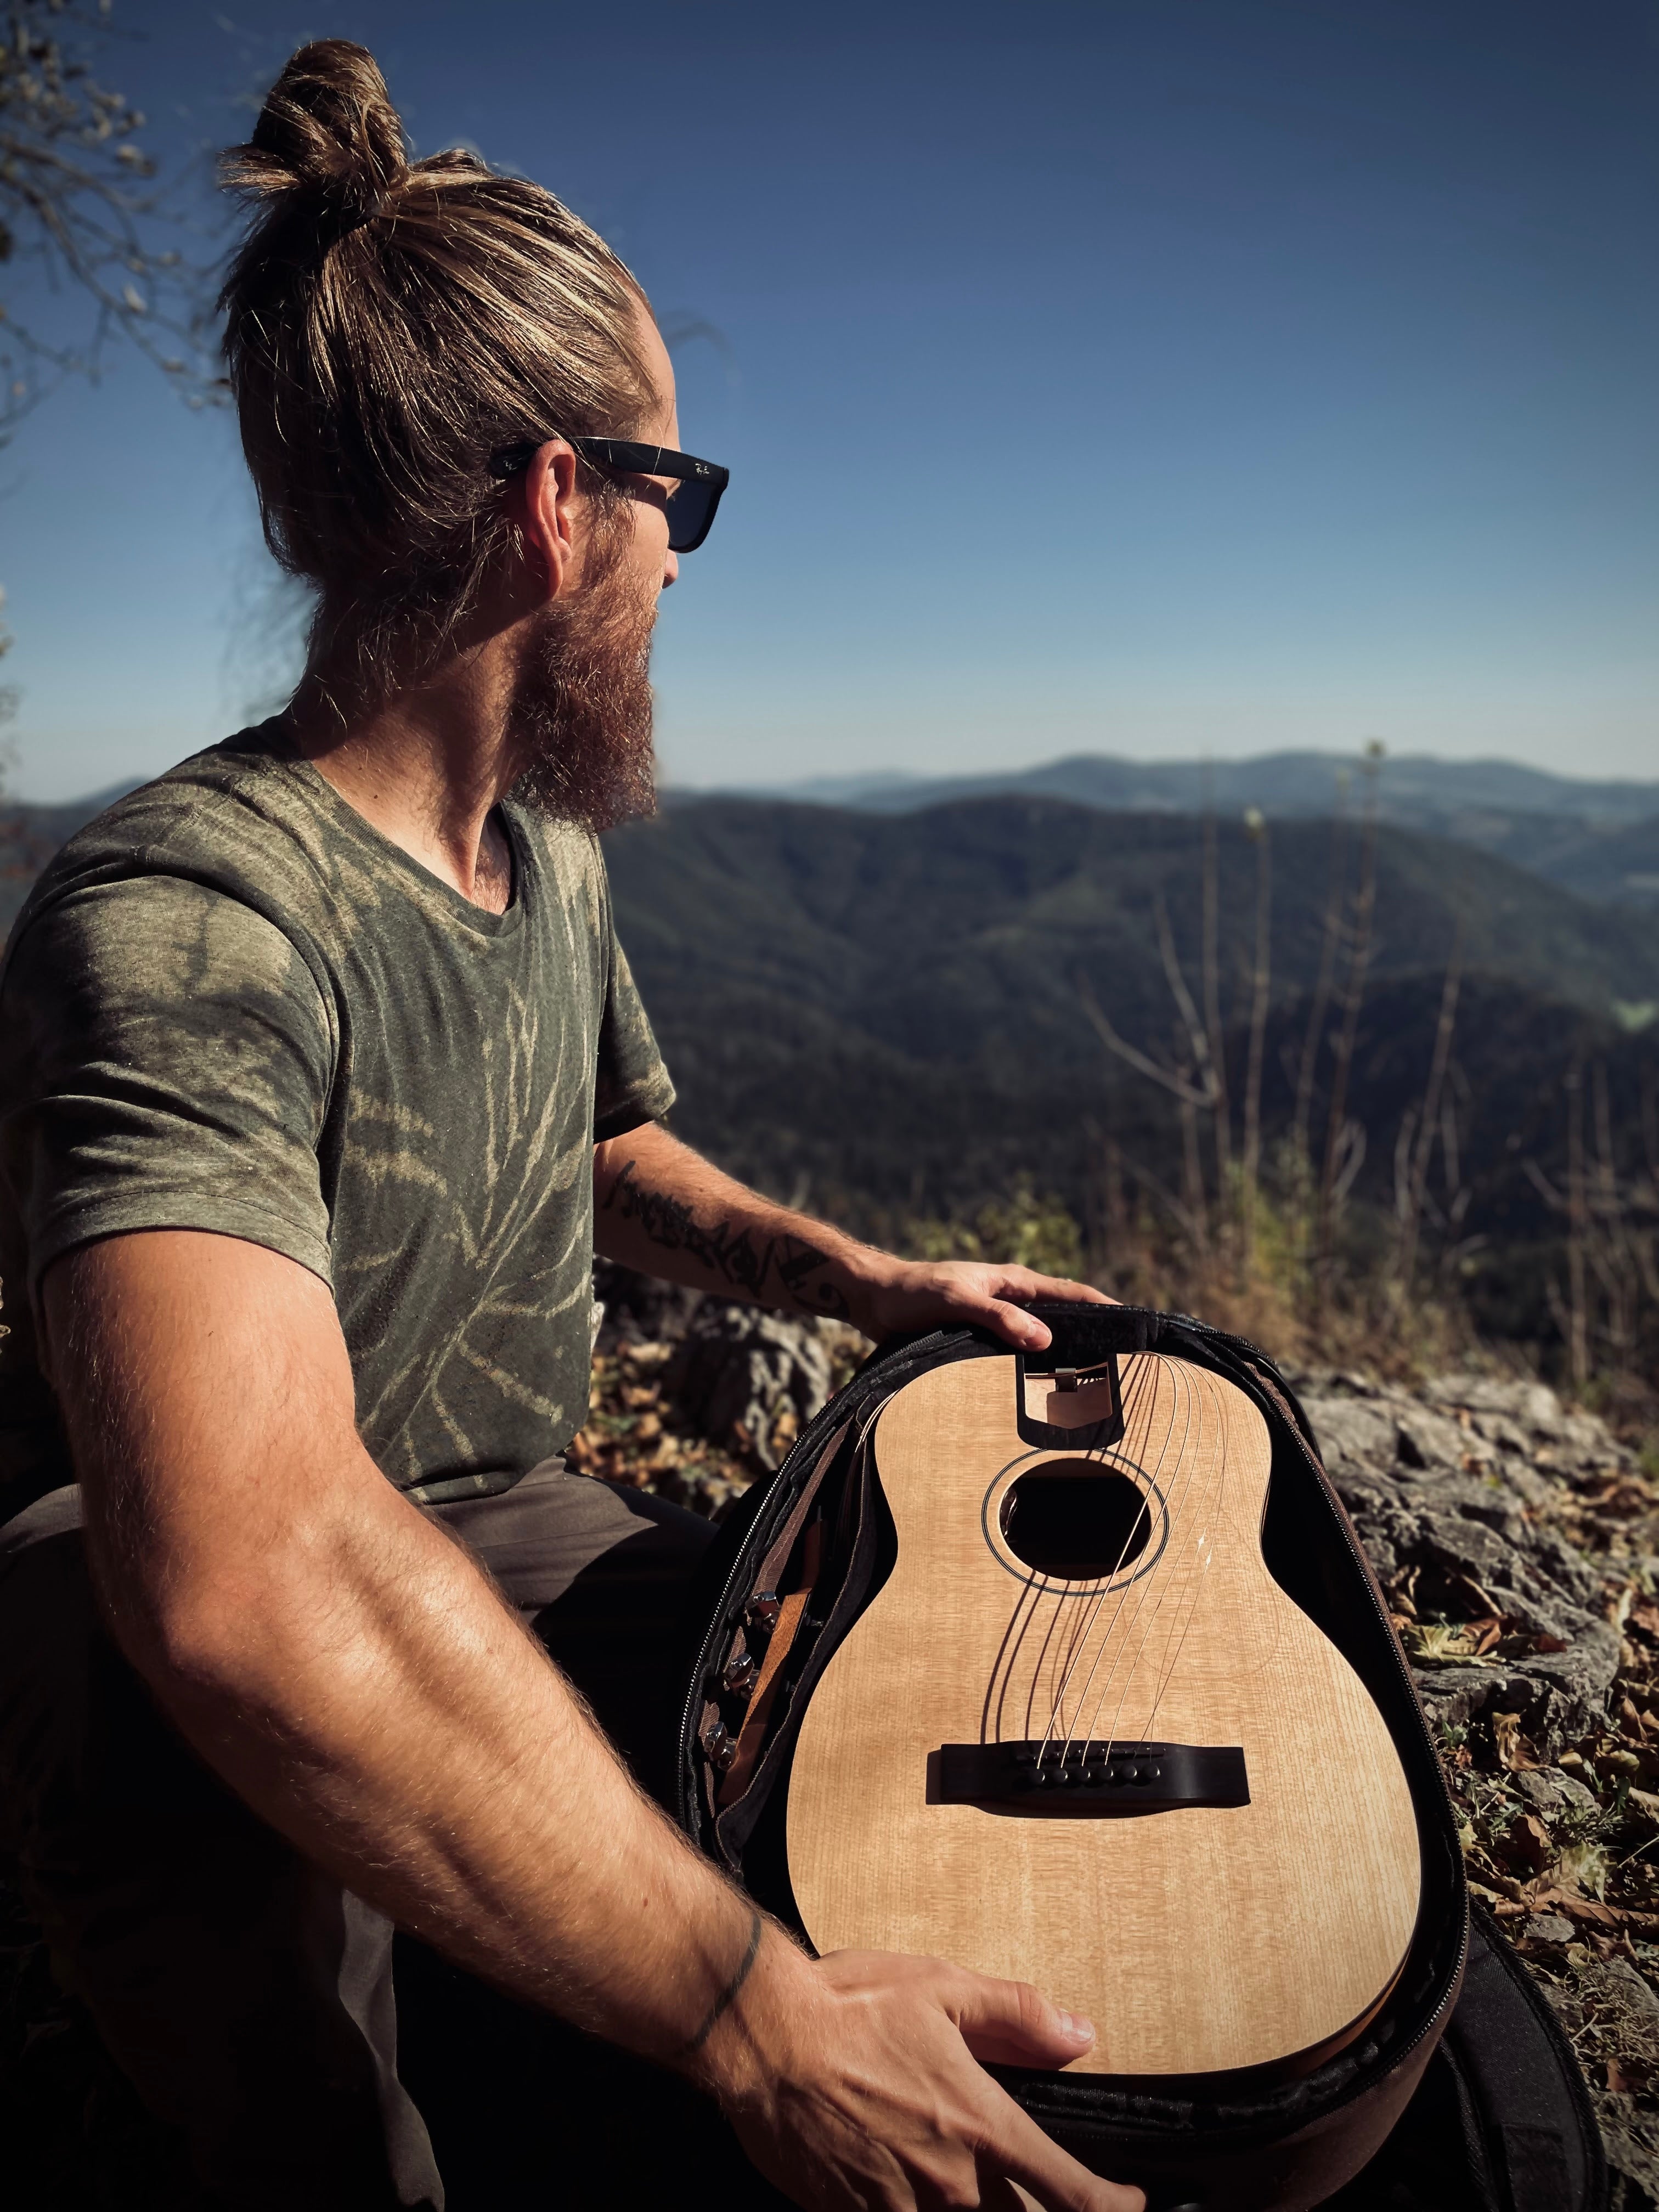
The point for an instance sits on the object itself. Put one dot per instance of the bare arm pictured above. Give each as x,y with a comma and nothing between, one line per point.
349,1671
663,1209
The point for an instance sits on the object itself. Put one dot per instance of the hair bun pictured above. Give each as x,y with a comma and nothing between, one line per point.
328,130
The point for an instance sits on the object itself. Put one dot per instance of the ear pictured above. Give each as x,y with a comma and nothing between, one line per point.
550,516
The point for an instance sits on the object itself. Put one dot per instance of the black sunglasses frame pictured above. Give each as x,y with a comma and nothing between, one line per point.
632,459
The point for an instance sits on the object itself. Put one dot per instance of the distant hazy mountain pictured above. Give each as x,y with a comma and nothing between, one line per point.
890,1010
1601,840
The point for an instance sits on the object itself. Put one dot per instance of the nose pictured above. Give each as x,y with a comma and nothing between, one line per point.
671,570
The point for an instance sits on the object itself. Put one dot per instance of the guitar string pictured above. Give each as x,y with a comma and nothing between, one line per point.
1150,1597
1187,1593
1168,1676
1148,1368
1059,1590
1034,1587
1180,1583
1090,1596
1123,1626
1151,1466
1191,1584
1143,1388
1002,1668
1126,1659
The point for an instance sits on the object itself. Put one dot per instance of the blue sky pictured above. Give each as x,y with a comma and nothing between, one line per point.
1163,377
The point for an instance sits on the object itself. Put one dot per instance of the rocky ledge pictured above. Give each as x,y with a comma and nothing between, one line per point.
1518,1541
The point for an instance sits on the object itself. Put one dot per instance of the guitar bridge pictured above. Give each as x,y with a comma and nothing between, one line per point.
1093,1780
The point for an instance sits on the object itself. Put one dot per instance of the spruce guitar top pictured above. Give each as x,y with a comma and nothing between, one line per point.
1081,1737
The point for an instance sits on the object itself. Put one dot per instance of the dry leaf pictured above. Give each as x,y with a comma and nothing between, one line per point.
1584,1910
1527,1845
1513,1749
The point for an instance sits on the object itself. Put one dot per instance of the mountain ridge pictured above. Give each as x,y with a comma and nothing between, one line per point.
1598,837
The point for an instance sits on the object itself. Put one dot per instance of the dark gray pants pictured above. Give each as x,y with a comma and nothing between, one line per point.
250,1999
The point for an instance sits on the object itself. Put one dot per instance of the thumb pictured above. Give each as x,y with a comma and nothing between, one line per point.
1019,1328
1011,2024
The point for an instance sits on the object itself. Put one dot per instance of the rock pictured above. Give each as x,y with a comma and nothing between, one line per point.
1452,1491
1625,1991
738,1375
638,1309
1609,2007
1553,1791
1549,1928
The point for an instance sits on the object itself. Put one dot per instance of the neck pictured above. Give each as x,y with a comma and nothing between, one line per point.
428,766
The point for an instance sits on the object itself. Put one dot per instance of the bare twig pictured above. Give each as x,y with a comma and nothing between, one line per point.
1319,1003
1577,1316
1255,828
1332,1187
76,203
1417,1185
1172,1080
1210,965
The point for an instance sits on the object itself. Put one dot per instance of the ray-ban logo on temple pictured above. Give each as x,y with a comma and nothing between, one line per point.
692,503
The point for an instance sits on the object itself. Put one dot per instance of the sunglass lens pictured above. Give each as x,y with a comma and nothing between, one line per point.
690,510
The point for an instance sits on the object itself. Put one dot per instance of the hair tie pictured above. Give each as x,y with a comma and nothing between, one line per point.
357,220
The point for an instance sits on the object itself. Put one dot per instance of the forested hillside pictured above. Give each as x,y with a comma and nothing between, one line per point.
903,1016
899,1016
1599,839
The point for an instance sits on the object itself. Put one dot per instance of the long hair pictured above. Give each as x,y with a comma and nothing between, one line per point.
390,326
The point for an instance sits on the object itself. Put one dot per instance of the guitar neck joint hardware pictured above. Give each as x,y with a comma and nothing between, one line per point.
1086,1780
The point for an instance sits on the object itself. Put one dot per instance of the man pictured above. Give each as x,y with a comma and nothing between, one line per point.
322,1066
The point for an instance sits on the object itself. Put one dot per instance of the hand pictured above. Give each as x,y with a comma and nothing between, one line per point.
913,1294
870,2096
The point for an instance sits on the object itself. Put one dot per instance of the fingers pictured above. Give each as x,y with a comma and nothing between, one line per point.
1023,1329
1011,2024
1017,1326
1044,2174
1061,1286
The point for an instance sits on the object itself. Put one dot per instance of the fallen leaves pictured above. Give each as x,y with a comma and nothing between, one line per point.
1514,1753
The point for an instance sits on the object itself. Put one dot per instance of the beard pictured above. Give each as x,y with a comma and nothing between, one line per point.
581,709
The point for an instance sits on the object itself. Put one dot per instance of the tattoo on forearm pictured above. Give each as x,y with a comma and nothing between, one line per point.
723,2002
784,1263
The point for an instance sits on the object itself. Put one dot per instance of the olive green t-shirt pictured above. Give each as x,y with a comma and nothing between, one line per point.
231,1004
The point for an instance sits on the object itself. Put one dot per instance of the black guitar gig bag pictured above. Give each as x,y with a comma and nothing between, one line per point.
1459,2094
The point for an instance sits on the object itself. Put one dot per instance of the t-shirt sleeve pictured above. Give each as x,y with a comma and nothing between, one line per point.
166,1064
632,1085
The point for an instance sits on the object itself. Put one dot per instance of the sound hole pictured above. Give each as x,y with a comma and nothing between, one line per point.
1075,1520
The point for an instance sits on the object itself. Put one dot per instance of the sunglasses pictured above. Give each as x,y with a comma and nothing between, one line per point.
692,503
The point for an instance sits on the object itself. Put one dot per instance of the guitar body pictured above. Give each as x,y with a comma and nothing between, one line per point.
997,1766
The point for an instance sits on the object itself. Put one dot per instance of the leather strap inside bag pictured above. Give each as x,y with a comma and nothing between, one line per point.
752,1734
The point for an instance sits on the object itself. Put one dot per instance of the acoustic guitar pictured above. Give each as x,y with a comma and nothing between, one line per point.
1081,1737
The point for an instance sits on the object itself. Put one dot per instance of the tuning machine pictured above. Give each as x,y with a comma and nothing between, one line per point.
719,1746
760,1615
737,1676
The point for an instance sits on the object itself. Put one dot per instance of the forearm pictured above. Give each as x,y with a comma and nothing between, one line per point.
660,1207
375,1701
351,1673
